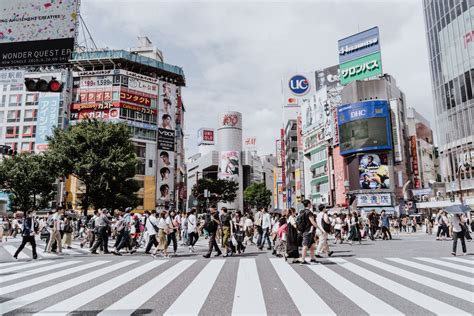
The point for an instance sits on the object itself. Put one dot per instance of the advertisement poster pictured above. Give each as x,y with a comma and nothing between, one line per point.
298,88
374,171
21,44
48,110
229,165
167,102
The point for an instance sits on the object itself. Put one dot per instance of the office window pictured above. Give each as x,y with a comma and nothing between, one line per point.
13,116
31,99
2,115
11,132
29,131
17,87
3,101
30,116
15,100
26,147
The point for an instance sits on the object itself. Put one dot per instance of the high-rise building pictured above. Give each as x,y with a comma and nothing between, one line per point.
144,92
450,37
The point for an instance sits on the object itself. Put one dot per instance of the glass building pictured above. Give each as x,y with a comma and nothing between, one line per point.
450,36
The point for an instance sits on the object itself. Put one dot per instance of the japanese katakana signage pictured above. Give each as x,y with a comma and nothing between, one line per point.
133,98
361,68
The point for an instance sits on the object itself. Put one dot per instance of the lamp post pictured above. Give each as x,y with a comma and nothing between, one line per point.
466,167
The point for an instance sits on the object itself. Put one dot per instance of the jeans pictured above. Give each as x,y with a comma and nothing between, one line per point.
213,244
459,235
101,240
259,235
124,240
172,238
385,231
193,238
266,237
151,242
27,239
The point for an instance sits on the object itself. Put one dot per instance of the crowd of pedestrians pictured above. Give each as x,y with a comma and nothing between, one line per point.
228,233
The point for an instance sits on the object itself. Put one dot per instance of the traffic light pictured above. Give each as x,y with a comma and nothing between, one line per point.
7,151
42,85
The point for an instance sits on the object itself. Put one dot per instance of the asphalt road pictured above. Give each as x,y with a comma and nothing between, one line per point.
412,274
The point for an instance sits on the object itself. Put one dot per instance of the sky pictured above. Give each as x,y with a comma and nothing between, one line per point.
235,53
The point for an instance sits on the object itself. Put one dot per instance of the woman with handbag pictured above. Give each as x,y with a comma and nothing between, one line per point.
292,238
239,233
163,231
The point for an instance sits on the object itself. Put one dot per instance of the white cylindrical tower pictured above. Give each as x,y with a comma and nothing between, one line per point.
229,145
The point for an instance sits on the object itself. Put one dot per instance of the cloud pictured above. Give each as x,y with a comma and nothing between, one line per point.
234,54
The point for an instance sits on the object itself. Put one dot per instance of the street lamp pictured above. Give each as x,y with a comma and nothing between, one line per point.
466,167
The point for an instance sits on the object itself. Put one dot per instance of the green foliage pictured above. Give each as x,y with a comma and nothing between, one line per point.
221,190
29,179
257,195
102,156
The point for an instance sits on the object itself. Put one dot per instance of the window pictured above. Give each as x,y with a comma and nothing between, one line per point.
17,87
1,117
31,99
30,116
13,116
150,163
11,132
4,101
15,100
25,147
29,131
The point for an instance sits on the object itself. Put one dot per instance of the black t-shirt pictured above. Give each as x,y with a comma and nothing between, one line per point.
225,220
210,225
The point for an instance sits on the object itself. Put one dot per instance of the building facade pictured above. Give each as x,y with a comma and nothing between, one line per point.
450,38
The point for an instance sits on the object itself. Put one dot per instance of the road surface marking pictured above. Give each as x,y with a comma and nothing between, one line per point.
11,250
193,297
300,292
466,261
248,296
43,254
22,274
448,265
22,266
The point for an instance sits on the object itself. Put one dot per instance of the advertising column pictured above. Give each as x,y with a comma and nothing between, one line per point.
230,149
166,143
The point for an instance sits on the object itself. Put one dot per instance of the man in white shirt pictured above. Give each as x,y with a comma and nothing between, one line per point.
151,226
266,226
322,220
258,226
56,232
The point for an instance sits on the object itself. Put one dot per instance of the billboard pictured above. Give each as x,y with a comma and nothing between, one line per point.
48,111
358,45
328,78
298,88
362,68
374,172
37,32
229,165
374,199
364,126
206,136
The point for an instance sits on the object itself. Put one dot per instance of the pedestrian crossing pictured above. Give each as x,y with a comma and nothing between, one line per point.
184,286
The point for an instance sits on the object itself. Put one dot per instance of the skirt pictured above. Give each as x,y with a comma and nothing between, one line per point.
162,241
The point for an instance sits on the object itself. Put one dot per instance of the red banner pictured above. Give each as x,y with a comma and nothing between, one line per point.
133,98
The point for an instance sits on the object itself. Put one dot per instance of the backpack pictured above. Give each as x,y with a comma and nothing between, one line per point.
91,223
302,221
209,225
50,221
68,228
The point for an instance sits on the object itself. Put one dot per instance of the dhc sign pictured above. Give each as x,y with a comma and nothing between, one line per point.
299,85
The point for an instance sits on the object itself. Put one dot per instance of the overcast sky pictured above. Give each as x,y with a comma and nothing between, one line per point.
234,54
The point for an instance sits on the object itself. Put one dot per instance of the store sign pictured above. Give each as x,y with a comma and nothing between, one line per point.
374,199
48,111
205,136
313,139
166,139
414,163
108,114
142,86
133,98
362,68
142,125
358,45
36,32
95,106
299,132
94,82
138,108
299,85
12,76
91,96
298,89
230,120
282,152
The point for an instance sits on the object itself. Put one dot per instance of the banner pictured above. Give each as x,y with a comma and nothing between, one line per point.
48,111
37,32
12,77
250,143
374,172
229,162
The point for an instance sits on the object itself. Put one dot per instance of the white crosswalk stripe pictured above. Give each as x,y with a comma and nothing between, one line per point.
460,260
437,285
448,264
250,294
11,250
248,297
57,288
438,272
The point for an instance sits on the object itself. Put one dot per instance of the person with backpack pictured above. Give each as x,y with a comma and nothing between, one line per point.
322,231
192,229
101,227
211,225
67,236
28,234
152,229
123,228
306,225
55,234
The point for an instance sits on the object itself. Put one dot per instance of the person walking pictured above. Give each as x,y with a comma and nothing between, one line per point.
226,220
151,226
163,231
266,229
211,225
306,225
258,227
28,234
354,233
322,231
101,226
68,230
337,225
239,234
292,239
458,222
172,225
55,234
184,229
192,229
385,225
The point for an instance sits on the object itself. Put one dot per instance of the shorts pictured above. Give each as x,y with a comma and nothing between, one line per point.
308,239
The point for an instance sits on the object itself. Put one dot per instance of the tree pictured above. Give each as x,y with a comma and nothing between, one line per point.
29,179
257,195
221,190
102,156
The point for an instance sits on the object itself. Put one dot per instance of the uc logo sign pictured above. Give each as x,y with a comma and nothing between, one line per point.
299,85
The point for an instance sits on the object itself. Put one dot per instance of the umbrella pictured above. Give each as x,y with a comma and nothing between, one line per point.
457,209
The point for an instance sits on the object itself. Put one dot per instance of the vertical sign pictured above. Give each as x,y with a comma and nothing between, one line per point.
298,184
283,169
299,132
414,163
48,109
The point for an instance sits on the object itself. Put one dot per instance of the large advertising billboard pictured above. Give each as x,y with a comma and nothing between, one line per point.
37,32
374,172
364,126
229,165
48,111
298,88
362,68
359,45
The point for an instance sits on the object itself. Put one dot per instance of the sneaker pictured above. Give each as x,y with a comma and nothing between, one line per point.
218,254
303,262
464,254
330,253
133,251
453,253
94,252
313,261
206,256
192,249
318,256
15,258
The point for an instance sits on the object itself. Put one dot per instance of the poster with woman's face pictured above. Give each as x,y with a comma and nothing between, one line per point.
374,172
229,165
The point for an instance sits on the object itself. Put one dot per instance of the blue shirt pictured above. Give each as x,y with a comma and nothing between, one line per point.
385,220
